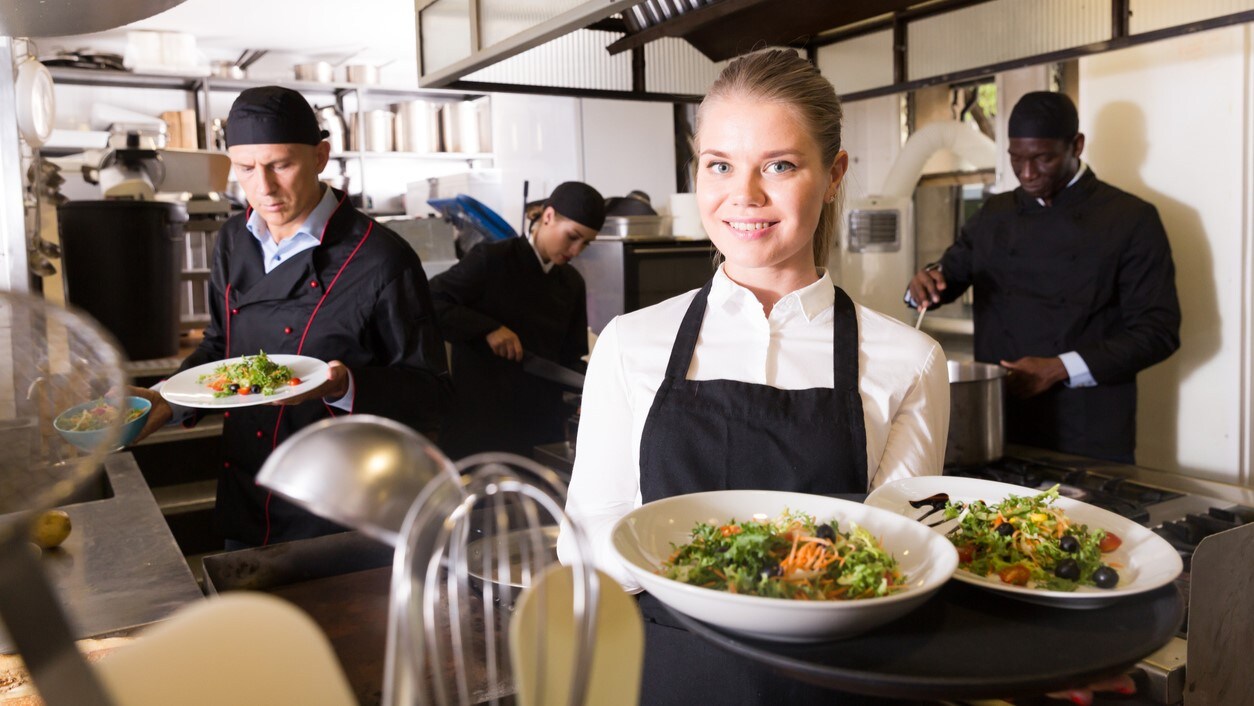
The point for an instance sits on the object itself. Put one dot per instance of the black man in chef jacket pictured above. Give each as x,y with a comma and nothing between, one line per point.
1075,289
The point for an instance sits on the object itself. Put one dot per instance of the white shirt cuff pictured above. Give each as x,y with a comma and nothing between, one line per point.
1077,370
346,402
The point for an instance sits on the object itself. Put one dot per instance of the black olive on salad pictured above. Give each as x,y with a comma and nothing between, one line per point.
1068,569
1005,529
826,532
233,387
1105,577
1069,544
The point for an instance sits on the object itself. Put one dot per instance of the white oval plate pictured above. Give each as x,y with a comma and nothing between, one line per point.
185,388
1144,561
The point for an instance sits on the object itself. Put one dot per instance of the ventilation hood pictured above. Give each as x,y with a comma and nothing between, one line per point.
60,18
723,29
458,38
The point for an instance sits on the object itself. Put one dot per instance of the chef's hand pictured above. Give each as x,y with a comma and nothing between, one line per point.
1031,375
158,416
505,343
1122,684
926,287
335,387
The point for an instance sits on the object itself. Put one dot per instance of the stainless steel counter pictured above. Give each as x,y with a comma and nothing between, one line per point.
120,568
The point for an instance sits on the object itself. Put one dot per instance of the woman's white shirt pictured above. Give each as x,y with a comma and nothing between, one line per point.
902,378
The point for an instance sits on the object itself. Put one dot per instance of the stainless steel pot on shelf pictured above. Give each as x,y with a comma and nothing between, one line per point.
371,131
977,426
417,126
317,71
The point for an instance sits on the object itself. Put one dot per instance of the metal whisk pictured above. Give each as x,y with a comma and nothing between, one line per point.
468,548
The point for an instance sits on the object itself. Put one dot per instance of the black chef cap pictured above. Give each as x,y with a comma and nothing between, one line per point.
1044,114
580,203
272,115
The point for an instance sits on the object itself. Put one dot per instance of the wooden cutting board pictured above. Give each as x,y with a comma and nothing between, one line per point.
16,688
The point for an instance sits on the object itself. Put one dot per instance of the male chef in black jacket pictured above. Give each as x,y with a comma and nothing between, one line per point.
509,298
303,272
1074,289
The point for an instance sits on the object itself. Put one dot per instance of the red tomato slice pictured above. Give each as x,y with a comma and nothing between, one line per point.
1017,575
245,390
966,553
1110,542
294,382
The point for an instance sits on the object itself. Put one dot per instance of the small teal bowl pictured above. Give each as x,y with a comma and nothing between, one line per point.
91,440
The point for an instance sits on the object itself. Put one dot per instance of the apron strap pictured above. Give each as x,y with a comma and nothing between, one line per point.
686,339
845,372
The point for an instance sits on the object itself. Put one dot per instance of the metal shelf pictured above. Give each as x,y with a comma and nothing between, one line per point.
441,156
127,79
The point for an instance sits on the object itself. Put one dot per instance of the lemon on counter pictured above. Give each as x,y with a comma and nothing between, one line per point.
50,529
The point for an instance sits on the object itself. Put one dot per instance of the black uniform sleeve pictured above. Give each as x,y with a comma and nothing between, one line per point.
410,381
575,344
956,263
1148,304
455,294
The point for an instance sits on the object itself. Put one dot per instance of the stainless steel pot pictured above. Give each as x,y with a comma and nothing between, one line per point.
330,119
319,71
367,74
372,131
977,423
417,126
228,69
637,226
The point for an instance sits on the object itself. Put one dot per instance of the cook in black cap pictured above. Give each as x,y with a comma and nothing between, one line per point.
277,151
1075,289
1045,143
303,272
513,297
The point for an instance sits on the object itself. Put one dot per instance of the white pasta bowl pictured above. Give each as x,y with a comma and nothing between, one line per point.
647,536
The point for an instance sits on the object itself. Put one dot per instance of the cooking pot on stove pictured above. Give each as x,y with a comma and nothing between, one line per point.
977,421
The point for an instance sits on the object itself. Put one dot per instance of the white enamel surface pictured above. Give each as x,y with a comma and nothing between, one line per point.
185,390
1144,561
643,538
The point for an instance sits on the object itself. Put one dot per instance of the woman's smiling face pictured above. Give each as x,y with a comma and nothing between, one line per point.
761,185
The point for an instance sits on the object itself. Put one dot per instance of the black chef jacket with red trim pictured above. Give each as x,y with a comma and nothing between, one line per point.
359,297
1091,273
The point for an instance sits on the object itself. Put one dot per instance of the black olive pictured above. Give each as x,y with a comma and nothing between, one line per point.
233,387
1005,529
826,532
1105,577
1067,569
1069,544
772,570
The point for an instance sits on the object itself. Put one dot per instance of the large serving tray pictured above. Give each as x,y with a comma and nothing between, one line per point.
968,643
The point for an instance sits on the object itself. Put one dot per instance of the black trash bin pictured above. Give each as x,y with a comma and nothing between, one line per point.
122,266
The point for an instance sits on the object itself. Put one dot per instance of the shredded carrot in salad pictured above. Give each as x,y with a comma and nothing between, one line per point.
791,556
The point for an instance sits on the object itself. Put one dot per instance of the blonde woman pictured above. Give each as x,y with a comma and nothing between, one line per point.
769,377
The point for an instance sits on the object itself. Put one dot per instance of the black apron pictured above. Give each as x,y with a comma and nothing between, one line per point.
725,435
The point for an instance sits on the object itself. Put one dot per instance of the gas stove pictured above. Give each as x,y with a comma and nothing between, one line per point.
1181,510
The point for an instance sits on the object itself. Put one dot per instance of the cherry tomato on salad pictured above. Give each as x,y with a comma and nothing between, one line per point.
1110,542
218,385
1017,575
294,382
966,553
245,390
